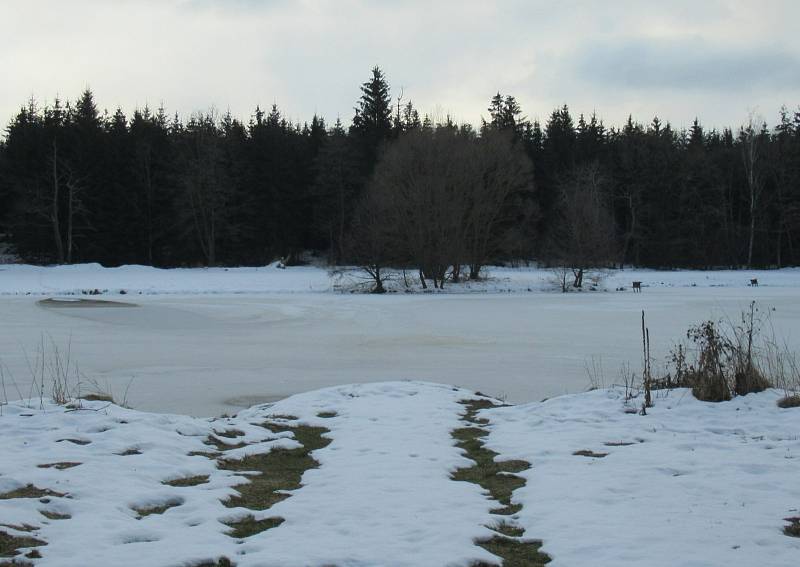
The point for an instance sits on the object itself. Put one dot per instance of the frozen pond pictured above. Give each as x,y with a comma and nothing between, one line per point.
210,354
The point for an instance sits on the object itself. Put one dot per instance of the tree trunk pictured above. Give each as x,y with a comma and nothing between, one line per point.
54,210
752,235
149,203
70,212
212,244
474,271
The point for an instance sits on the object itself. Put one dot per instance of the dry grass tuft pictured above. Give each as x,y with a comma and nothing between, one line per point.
793,529
187,480
50,515
60,466
249,526
143,511
280,469
515,552
589,453
790,401
29,491
10,545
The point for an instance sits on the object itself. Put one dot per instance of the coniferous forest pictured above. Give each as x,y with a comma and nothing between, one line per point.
396,188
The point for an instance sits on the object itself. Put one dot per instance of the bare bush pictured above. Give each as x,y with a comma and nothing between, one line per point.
52,370
595,373
726,359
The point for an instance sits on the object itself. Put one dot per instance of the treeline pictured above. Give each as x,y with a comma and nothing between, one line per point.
395,188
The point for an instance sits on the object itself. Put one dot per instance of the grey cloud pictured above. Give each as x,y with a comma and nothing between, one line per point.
685,63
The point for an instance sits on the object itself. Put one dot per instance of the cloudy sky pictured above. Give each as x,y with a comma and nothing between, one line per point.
716,59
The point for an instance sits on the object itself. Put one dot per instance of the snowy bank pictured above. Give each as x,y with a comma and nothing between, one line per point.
21,279
689,484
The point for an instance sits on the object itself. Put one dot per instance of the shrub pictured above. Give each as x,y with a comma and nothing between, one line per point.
729,359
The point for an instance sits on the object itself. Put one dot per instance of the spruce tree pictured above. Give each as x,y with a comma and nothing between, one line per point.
372,123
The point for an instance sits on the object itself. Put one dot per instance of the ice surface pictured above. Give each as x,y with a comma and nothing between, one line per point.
204,342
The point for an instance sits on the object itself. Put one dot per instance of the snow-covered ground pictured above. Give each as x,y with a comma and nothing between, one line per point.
22,279
690,484
204,342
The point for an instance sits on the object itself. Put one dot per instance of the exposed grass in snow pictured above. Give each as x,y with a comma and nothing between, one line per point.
74,441
590,453
230,433
276,473
515,552
221,562
129,452
50,515
60,466
248,526
29,491
497,478
11,544
507,529
98,397
214,441
700,483
187,480
792,401
143,511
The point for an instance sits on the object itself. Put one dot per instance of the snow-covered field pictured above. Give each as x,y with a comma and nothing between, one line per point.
204,342
689,484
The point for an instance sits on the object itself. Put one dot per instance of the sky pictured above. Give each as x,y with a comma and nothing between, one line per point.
718,60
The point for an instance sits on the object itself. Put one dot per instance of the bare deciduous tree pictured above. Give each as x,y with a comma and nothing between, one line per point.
751,156
446,198
501,177
584,236
208,190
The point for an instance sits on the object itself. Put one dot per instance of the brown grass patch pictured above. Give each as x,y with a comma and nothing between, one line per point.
793,529
98,397
187,480
514,552
222,446
143,511
507,529
278,470
75,441
10,544
131,451
792,401
494,477
60,466
50,515
589,453
249,526
29,491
